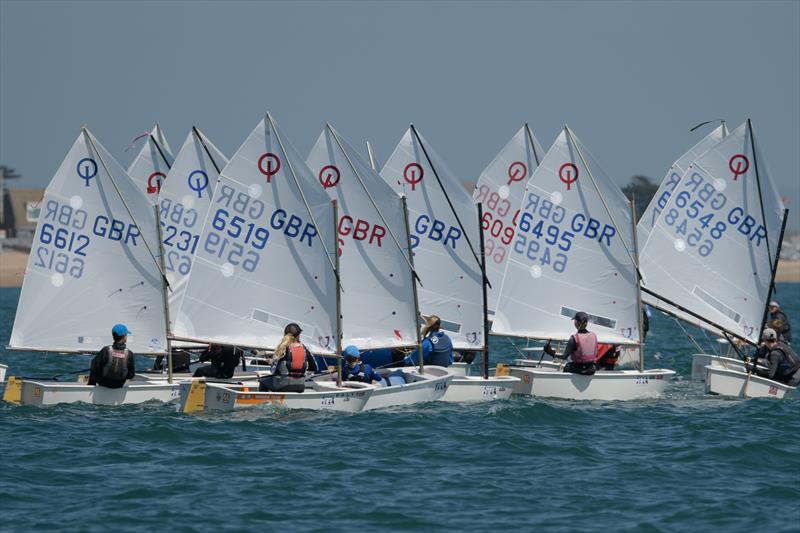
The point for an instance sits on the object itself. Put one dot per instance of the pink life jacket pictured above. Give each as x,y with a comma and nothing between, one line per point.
585,347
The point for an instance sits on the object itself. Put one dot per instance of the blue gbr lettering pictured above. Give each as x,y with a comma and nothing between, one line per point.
434,229
115,230
746,225
291,224
590,228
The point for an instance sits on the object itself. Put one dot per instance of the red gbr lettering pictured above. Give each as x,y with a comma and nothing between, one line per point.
361,230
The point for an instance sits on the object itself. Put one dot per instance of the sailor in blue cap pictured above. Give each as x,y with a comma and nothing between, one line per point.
113,365
355,370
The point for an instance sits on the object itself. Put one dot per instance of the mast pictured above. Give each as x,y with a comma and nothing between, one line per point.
774,271
638,285
164,292
766,231
338,298
485,297
449,202
414,289
160,151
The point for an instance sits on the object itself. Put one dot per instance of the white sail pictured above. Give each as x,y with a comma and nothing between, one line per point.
184,202
501,187
569,254
90,265
377,303
671,179
659,201
260,261
446,264
711,251
151,165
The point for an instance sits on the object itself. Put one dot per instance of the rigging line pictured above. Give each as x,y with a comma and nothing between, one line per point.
450,203
517,349
128,209
529,134
372,200
205,148
603,200
760,197
708,340
160,151
688,335
303,196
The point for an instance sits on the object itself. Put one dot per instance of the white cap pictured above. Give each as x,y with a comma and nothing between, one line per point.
769,335
773,303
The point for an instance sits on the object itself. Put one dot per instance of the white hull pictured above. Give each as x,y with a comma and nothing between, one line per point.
701,360
477,389
198,395
603,385
737,383
419,388
51,393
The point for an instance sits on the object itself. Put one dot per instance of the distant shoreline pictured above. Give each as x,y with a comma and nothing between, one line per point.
12,269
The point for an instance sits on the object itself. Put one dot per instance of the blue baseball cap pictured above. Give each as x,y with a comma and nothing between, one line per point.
120,330
352,352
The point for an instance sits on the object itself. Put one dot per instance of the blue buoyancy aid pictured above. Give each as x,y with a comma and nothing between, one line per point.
361,372
442,349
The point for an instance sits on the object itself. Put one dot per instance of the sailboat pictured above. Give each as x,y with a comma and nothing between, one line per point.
184,200
723,224
95,261
266,257
446,238
575,250
379,302
151,165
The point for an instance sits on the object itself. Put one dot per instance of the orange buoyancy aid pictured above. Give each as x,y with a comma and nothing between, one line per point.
585,347
296,360
607,351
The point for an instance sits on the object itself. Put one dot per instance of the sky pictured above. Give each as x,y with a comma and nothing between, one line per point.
630,78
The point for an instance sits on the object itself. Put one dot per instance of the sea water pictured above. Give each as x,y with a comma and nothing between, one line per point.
687,462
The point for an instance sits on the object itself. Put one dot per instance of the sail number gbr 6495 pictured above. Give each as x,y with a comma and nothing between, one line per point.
545,235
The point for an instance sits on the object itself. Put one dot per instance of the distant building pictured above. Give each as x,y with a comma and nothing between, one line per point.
21,213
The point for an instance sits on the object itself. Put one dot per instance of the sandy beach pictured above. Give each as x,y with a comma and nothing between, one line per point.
12,269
